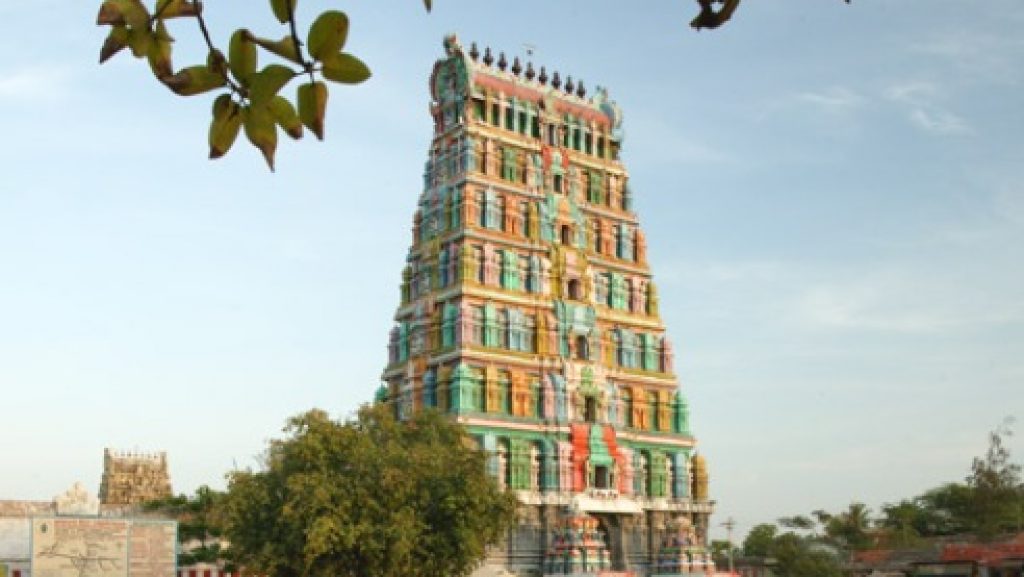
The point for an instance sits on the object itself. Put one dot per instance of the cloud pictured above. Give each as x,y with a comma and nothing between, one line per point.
34,84
973,55
938,121
921,99
835,100
901,302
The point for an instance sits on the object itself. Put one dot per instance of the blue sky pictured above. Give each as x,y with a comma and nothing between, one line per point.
833,196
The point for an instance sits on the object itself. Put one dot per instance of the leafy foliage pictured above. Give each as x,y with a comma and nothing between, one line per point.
200,525
989,503
253,98
369,497
996,486
797,555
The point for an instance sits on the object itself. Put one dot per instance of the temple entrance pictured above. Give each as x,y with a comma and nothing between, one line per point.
610,528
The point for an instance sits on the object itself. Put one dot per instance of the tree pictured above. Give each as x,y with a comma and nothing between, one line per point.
801,522
804,557
849,529
367,497
722,551
797,556
251,98
760,540
200,526
996,486
903,523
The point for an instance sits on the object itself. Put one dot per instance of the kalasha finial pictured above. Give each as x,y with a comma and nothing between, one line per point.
488,57
530,72
580,91
569,86
517,68
556,81
543,76
474,52
502,63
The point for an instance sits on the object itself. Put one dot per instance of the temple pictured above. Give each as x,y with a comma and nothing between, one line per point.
529,314
131,478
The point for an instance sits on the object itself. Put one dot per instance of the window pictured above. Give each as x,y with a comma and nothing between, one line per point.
538,467
478,109
588,144
495,114
652,403
600,146
522,122
582,348
477,262
558,183
574,289
533,277
510,115
551,135
534,126
566,235
627,408
590,409
602,478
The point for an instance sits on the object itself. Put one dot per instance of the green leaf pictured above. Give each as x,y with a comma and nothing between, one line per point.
428,5
159,53
345,68
193,80
227,120
285,116
130,12
280,8
139,40
176,8
285,48
265,84
261,130
242,56
312,98
327,35
116,41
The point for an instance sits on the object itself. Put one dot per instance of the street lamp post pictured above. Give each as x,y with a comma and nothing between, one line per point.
729,525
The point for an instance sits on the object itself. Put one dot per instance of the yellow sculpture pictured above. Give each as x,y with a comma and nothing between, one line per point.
699,467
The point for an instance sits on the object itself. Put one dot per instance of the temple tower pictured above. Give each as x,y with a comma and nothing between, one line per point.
131,478
528,313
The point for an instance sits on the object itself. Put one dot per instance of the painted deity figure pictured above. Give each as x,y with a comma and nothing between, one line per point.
490,274
537,171
511,221
545,275
641,247
479,155
607,238
636,296
491,159
613,403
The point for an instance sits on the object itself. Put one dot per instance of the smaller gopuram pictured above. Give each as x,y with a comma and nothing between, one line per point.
131,478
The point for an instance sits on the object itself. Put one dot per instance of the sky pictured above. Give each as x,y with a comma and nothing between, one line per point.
833,197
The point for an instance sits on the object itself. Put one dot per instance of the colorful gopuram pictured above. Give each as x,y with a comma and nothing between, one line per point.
529,314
